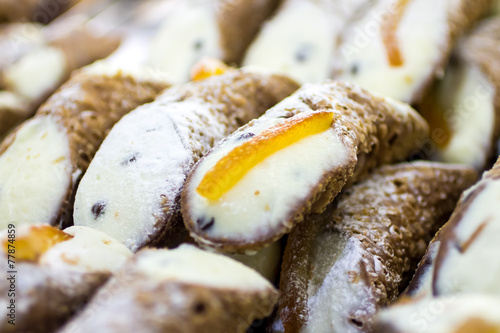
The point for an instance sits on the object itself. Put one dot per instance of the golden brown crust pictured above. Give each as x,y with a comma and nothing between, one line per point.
370,127
239,22
45,298
33,10
393,214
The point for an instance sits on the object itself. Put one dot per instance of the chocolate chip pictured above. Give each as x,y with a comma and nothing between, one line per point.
303,53
354,69
202,222
356,322
247,135
199,308
98,209
198,44
132,158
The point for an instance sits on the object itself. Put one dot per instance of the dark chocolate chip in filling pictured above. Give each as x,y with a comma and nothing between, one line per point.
303,53
131,159
247,135
354,69
198,45
98,209
202,222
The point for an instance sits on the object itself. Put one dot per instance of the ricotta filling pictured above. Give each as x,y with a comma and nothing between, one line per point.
421,34
190,32
35,173
190,265
470,265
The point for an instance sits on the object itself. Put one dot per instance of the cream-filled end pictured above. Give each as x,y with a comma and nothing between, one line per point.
269,193
467,98
190,32
35,173
37,73
420,36
468,264
190,265
298,41
89,251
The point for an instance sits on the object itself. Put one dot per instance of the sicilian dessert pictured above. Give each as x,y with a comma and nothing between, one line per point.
150,151
215,28
33,10
301,38
466,313
400,46
259,182
42,161
180,290
463,109
55,272
38,59
343,265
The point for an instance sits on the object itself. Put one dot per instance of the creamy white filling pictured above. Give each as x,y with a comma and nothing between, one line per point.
443,314
298,41
88,251
266,261
270,191
140,167
468,98
335,295
190,32
12,102
35,173
37,73
190,265
477,269
422,33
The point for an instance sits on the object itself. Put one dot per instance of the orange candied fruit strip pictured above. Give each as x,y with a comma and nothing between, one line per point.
206,68
389,38
235,165
37,241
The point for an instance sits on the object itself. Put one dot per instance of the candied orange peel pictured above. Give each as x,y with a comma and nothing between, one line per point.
389,38
206,68
239,161
39,239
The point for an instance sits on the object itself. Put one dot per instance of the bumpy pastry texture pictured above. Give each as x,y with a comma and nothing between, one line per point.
181,290
367,131
43,160
50,289
341,266
151,150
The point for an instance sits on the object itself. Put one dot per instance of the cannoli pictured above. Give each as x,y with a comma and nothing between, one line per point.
257,184
180,290
31,74
55,272
341,266
42,11
464,314
132,188
400,46
465,263
216,28
42,161
463,110
301,38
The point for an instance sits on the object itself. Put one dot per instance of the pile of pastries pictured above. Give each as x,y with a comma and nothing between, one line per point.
250,166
